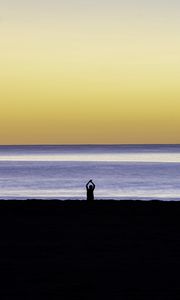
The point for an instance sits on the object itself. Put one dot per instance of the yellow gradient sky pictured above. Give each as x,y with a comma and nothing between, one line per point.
89,71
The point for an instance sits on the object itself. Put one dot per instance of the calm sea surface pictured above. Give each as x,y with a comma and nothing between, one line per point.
119,171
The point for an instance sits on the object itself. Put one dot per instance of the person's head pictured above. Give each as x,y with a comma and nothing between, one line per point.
90,187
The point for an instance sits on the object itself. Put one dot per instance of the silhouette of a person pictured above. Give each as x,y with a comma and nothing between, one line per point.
90,187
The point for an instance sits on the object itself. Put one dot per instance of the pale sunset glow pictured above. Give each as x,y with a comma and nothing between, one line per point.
75,72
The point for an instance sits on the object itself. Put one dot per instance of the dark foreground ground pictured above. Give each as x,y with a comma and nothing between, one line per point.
105,250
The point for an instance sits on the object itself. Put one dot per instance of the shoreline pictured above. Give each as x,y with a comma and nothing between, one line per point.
82,199
54,200
96,202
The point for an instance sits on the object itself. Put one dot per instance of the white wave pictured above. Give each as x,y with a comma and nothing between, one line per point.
122,157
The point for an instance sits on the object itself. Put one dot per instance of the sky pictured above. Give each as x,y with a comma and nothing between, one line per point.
89,71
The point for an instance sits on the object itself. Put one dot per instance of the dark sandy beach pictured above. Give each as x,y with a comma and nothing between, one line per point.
101,250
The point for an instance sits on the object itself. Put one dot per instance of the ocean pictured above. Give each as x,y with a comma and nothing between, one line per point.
132,172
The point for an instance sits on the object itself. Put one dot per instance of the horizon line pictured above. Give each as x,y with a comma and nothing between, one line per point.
95,144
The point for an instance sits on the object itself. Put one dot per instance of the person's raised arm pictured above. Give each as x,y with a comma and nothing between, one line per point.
88,184
93,185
